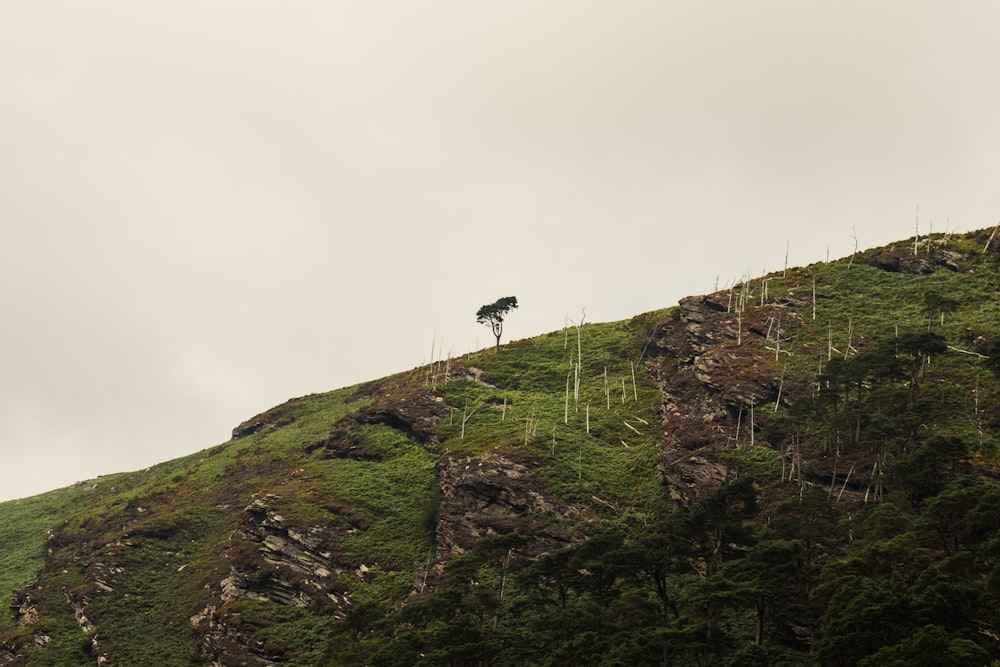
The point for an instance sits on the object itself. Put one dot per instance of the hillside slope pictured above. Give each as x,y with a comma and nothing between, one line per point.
796,470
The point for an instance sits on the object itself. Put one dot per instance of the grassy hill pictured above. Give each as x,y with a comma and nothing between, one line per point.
796,470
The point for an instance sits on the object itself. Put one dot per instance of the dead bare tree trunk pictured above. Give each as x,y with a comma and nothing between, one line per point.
854,235
850,336
466,416
503,586
846,480
990,240
781,384
576,386
569,374
870,479
529,426
814,297
739,424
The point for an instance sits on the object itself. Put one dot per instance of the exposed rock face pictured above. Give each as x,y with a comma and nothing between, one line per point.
414,413
947,258
279,557
715,394
300,563
24,608
494,494
919,264
903,263
86,626
231,644
276,417
251,426
339,445
711,379
470,373
25,613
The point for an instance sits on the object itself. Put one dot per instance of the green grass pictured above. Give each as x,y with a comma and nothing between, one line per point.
146,621
23,532
611,466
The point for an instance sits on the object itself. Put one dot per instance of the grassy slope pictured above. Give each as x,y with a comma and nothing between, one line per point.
861,305
23,531
171,512
610,470
614,461
174,516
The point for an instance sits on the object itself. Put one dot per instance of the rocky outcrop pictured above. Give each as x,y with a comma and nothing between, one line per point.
715,367
276,417
227,641
494,494
24,608
13,650
295,563
919,264
340,445
79,607
716,392
902,263
276,556
416,413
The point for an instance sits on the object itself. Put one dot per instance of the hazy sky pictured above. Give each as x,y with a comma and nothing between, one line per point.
207,208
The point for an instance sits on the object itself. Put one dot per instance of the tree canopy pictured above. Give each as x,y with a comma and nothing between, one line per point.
494,314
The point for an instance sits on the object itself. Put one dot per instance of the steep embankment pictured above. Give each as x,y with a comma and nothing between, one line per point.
731,480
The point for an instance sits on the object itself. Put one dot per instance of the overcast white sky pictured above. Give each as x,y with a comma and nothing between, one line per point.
207,208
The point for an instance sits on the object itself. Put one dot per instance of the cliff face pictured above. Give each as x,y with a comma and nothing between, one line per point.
497,493
711,382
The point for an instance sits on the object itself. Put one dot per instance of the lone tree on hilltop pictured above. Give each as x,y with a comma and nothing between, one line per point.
494,313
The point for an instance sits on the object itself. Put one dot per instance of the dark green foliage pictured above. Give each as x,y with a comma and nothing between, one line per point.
930,646
925,470
494,314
